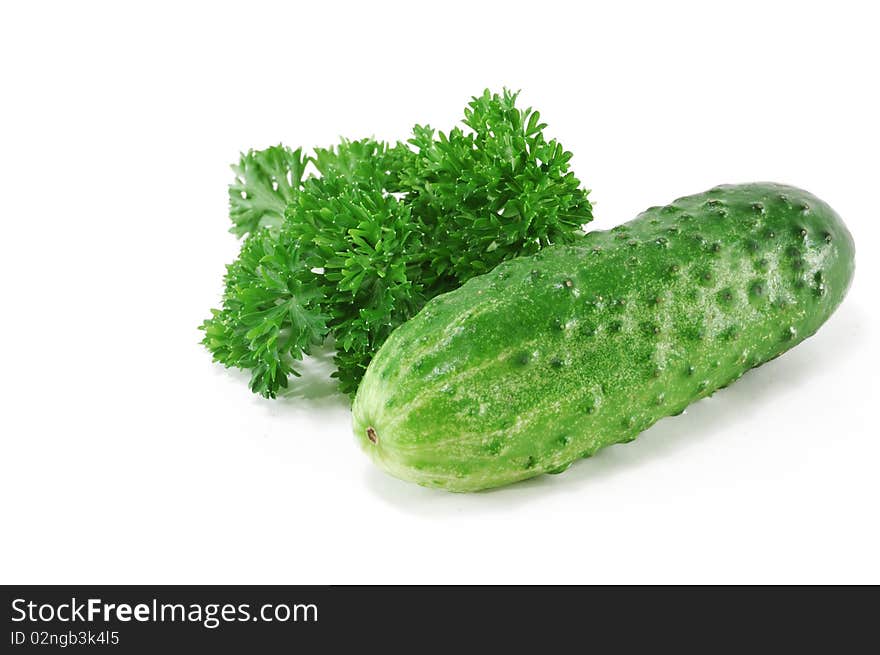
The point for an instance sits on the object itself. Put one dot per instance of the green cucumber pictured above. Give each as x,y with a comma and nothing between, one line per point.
549,358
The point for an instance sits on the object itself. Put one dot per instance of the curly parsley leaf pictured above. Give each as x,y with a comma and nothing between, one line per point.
265,182
365,244
271,314
499,191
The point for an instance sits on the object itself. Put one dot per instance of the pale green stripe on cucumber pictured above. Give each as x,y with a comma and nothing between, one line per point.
549,358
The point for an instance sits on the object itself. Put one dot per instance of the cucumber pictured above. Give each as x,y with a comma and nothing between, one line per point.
549,358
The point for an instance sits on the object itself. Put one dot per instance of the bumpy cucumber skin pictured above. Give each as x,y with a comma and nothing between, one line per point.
549,358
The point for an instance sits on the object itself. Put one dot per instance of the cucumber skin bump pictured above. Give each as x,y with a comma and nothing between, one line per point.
549,358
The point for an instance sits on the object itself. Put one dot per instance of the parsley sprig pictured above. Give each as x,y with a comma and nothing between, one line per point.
351,241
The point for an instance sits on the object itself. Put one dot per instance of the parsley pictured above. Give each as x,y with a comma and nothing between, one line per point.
357,246
265,182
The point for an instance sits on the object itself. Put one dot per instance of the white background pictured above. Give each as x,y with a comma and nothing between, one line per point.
126,456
